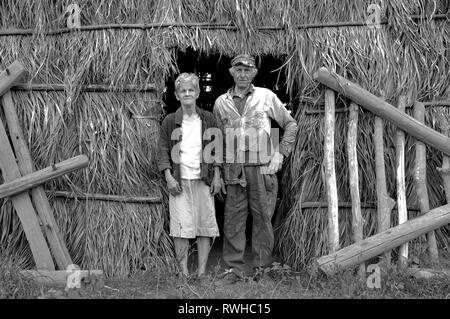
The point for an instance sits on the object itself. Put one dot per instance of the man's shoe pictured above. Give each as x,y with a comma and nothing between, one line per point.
229,277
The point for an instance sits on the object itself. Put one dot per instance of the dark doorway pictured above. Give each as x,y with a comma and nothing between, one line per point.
215,80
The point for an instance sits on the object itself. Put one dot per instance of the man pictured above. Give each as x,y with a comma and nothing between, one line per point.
243,114
191,181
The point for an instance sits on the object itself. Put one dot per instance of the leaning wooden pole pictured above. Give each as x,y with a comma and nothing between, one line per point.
330,173
352,138
383,109
368,248
21,184
420,178
384,202
40,201
401,187
10,76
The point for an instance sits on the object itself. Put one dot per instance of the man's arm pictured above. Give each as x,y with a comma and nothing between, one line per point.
282,116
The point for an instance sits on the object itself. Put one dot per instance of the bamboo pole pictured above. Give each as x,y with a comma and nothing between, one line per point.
384,202
84,88
420,178
306,205
330,173
401,187
383,109
37,178
370,247
357,221
202,25
40,201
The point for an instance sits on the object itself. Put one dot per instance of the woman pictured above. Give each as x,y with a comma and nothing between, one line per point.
191,182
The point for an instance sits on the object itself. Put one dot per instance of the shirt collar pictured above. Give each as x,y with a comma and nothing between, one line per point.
249,91
179,114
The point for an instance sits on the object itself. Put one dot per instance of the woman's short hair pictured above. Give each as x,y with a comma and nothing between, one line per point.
186,78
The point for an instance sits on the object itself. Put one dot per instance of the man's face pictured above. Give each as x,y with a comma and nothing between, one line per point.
243,76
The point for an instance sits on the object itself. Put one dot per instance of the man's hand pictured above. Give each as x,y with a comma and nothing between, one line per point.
218,185
275,163
173,186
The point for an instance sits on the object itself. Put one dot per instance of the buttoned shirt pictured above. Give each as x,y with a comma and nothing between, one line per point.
250,128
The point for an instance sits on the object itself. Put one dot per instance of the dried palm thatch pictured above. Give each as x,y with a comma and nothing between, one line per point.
136,42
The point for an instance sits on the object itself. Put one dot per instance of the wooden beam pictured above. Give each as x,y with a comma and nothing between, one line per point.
384,202
420,179
106,197
40,201
352,141
330,172
58,277
37,178
23,206
370,247
308,205
205,26
383,109
401,187
84,88
10,75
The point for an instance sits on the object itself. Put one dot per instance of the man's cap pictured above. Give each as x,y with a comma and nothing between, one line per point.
243,59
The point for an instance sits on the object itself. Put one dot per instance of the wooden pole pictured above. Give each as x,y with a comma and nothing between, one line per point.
445,169
23,206
106,197
384,202
370,247
420,178
357,221
40,201
383,109
10,75
83,88
330,173
19,185
401,187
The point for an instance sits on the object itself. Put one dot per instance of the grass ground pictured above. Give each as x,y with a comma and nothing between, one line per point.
278,283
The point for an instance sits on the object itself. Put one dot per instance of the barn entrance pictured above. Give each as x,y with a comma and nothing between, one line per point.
214,81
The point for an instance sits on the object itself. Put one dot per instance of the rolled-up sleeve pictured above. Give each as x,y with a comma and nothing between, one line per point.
282,116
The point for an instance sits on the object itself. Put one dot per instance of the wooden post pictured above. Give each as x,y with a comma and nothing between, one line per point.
9,76
420,178
445,169
23,206
40,201
383,109
357,221
401,188
330,174
384,202
370,247
21,184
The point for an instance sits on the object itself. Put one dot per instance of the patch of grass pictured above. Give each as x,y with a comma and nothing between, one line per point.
14,285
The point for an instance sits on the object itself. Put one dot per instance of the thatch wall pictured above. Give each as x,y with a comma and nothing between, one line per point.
135,42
